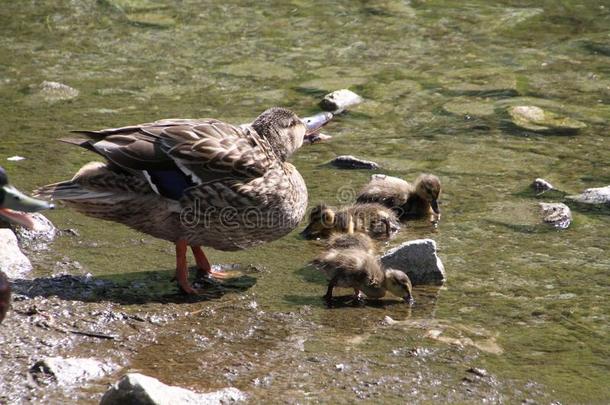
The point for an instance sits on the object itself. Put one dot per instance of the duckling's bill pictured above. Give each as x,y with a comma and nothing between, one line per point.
15,206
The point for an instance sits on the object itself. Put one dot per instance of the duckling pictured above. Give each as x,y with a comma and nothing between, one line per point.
375,220
360,270
408,201
356,240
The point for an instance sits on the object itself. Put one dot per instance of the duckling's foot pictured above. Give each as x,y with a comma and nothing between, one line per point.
358,297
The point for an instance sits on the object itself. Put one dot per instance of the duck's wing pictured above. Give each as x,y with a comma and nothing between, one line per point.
177,154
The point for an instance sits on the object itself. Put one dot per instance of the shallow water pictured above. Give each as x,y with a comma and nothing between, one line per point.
526,303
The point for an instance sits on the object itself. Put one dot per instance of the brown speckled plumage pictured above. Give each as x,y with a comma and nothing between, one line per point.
199,182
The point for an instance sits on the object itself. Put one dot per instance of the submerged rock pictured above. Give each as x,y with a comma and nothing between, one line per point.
12,261
535,119
418,259
53,91
139,389
595,196
339,100
541,185
469,108
70,371
556,214
352,162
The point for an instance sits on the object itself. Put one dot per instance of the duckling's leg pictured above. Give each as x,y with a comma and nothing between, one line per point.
358,297
203,264
329,291
182,271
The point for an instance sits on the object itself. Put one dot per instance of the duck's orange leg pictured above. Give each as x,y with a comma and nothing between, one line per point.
203,264
182,271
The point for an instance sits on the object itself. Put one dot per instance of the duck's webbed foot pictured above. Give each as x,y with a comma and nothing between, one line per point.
204,269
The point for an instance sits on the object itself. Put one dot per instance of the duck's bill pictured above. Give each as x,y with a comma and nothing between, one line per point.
16,217
15,206
434,205
313,125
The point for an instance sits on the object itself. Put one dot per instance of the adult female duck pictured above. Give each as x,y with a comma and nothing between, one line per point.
196,182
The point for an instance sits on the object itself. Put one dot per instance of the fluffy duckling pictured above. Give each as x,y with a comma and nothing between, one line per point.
375,220
408,201
360,270
356,240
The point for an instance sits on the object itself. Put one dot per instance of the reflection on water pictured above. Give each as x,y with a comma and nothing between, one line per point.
525,304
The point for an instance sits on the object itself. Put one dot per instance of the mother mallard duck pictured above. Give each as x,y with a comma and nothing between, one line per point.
196,182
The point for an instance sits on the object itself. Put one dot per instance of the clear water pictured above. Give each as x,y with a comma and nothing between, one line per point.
526,303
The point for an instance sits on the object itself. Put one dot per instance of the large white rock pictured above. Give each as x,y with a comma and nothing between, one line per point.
39,236
12,261
339,100
70,371
139,389
594,196
418,259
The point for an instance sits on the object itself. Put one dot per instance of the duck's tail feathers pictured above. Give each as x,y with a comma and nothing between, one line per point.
83,143
69,191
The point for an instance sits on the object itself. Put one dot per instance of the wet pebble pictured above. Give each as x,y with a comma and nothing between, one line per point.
339,100
556,214
540,185
599,196
352,162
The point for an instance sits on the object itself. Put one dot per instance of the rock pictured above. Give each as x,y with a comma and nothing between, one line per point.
556,214
12,261
541,185
139,389
418,259
37,238
595,196
535,119
70,371
53,91
469,108
339,100
490,82
352,162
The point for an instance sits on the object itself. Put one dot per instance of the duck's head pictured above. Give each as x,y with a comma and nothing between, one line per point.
12,201
428,187
399,284
285,131
356,240
321,222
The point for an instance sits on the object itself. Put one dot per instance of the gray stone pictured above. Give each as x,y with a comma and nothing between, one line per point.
40,235
352,162
339,100
418,259
70,371
556,214
12,261
541,185
594,196
535,119
139,389
468,107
